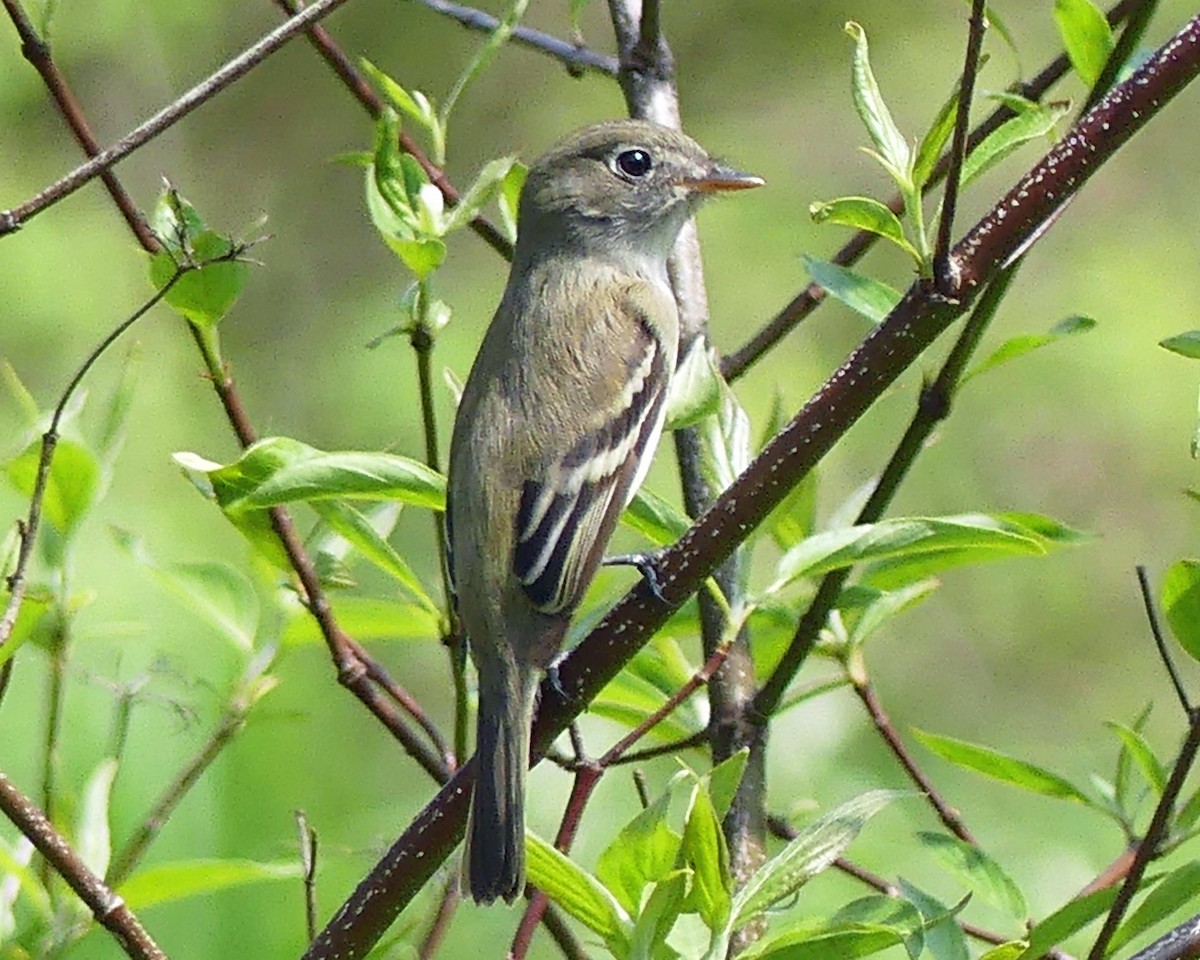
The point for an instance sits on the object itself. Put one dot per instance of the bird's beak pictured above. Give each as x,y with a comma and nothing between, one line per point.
718,179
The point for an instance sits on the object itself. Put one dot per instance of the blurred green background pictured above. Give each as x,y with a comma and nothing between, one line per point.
1028,656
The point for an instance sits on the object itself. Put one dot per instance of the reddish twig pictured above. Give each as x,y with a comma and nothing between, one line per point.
239,66
109,909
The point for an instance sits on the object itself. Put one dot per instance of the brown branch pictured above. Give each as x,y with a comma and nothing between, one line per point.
920,317
947,814
576,57
37,52
1181,943
109,909
239,66
958,149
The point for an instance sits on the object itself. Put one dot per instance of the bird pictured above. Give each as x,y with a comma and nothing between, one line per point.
555,430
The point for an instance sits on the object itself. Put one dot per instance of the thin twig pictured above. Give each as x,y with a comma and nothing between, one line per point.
37,52
1160,641
958,148
109,909
239,66
436,934
951,819
308,868
736,363
575,57
29,529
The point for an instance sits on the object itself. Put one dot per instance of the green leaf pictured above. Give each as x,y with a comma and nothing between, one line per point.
1007,951
1010,135
93,839
217,592
863,213
696,387
415,105
644,852
358,531
985,537
183,879
865,295
509,199
1019,346
369,619
902,570
657,918
71,486
280,470
704,850
21,396
978,872
935,139
1176,890
893,149
578,893
1067,921
815,847
1002,767
1180,598
204,295
1086,35
421,256
1184,344
724,780
1137,747
836,945
869,608
944,938
116,413
657,520
795,517
488,183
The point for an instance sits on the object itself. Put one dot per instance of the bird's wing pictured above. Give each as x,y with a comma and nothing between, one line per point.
567,513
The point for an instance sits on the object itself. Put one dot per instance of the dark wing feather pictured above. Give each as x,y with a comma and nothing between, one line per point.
567,515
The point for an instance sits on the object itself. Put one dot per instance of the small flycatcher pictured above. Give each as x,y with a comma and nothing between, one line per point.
556,429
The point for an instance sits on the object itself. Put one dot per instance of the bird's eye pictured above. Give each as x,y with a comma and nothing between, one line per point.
635,163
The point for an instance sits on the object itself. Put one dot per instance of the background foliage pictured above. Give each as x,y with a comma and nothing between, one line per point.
1030,656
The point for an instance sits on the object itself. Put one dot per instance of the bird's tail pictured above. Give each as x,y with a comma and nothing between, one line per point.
494,864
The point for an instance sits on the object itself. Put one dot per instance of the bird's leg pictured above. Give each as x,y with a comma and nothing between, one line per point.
646,564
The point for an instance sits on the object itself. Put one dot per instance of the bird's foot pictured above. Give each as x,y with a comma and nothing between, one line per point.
646,564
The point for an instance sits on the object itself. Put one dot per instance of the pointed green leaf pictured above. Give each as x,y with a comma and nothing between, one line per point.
578,893
1184,344
71,486
657,918
880,912
815,847
1010,135
865,295
183,879
935,139
1002,767
724,780
203,296
696,387
488,183
1067,921
836,945
863,213
1180,598
978,872
93,838
657,520
944,938
1019,346
1086,35
1139,750
1174,891
704,850
644,852
868,101
509,199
